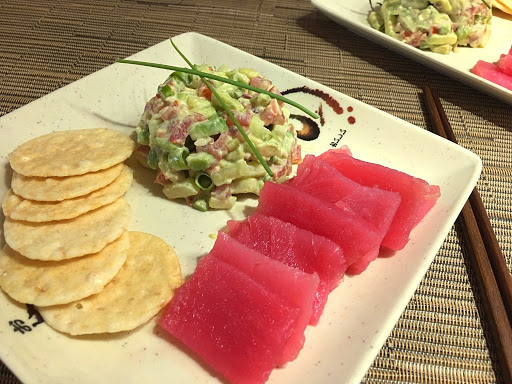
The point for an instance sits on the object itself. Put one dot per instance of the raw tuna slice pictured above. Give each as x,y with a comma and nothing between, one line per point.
297,248
236,325
505,64
377,206
296,287
417,195
492,73
355,236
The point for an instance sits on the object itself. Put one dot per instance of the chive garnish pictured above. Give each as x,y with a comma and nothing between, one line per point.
230,114
204,181
486,4
222,79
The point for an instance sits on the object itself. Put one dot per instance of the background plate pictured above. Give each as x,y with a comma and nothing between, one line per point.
360,313
353,13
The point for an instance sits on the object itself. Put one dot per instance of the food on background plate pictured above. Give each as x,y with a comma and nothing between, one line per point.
504,5
71,153
234,313
499,73
18,208
66,239
199,154
59,282
143,286
437,25
62,188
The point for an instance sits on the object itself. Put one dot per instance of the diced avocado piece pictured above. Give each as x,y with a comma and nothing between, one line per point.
257,128
228,100
269,148
389,21
238,76
394,8
232,144
437,39
247,185
153,157
181,189
181,77
462,32
250,73
222,204
200,161
200,205
279,132
287,143
442,5
375,20
236,154
176,153
416,4
409,19
207,128
442,49
262,100
231,171
142,135
200,105
177,157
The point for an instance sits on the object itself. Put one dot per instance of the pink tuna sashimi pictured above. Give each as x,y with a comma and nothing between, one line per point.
296,287
505,64
492,73
236,325
417,196
297,248
377,206
354,235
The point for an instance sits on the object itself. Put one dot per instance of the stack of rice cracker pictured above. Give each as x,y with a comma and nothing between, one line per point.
68,249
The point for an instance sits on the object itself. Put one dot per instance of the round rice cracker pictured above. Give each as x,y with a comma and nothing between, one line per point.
62,188
60,282
145,284
70,153
66,239
18,208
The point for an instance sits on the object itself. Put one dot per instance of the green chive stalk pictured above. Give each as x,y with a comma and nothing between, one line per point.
222,79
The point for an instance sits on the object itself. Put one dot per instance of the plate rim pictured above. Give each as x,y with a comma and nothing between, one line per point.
19,370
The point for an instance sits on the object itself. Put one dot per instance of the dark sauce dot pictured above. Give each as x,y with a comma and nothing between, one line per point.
329,100
320,112
350,109
310,129
351,119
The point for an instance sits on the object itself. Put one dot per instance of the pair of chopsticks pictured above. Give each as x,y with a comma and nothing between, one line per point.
491,273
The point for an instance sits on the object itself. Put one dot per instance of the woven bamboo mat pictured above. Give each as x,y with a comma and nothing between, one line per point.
439,338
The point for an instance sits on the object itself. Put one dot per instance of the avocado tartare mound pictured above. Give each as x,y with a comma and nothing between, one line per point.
196,149
438,25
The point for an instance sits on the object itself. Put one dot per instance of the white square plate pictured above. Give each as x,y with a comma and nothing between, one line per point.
353,14
360,313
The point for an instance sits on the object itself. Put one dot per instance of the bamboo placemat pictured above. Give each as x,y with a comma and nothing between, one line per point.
439,338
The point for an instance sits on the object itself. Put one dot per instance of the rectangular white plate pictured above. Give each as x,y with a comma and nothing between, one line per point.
360,313
353,14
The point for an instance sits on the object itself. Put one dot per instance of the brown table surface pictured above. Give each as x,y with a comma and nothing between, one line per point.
440,337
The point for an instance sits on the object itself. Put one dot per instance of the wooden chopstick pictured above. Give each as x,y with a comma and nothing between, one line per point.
491,273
